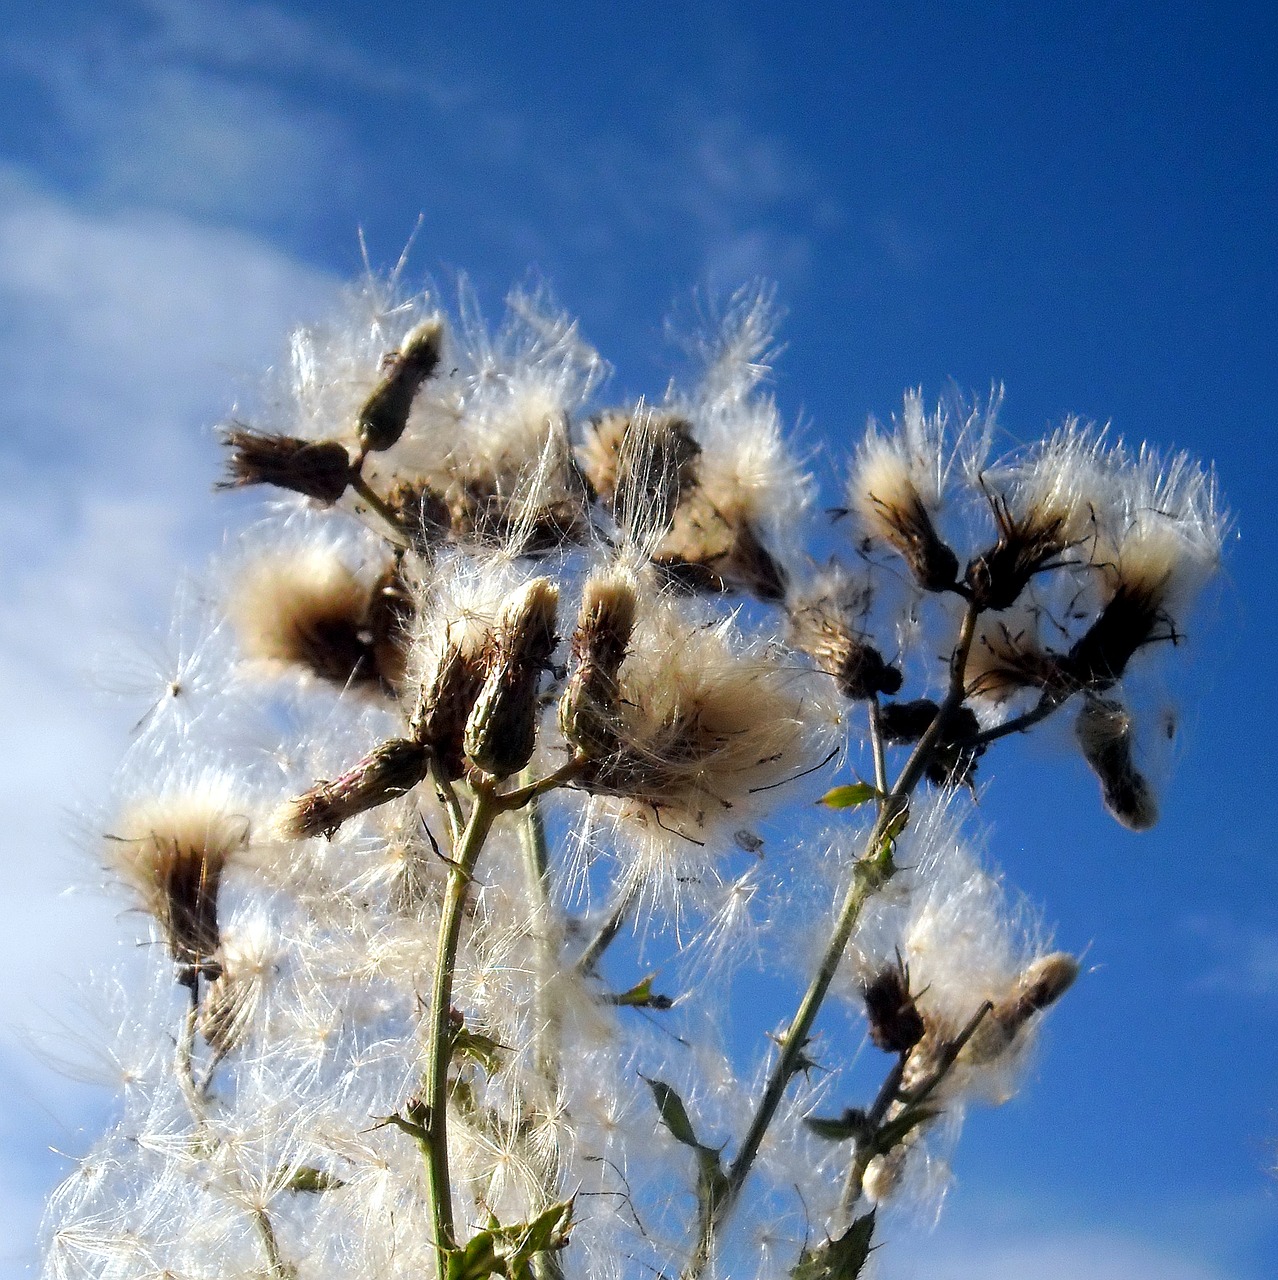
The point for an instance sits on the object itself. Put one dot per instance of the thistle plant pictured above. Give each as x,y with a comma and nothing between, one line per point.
491,779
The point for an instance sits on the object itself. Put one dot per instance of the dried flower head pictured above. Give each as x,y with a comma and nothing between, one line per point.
319,469
172,849
1007,657
501,729
305,608
826,619
898,483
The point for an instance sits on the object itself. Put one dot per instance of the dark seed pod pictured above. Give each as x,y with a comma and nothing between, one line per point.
387,772
319,469
895,1024
384,415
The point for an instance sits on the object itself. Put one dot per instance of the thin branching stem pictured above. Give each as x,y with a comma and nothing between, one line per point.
876,747
1019,724
871,871
367,494
864,1150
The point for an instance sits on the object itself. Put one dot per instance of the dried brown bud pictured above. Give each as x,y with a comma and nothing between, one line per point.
387,772
1104,733
588,714
501,730
385,413
895,1024
320,469
953,761
1039,985
823,625
448,693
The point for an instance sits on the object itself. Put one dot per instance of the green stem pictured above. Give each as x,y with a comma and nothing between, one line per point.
379,504
532,837
871,871
439,1037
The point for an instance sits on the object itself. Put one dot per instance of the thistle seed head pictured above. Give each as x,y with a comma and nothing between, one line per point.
501,729
172,850
306,609
319,469
1104,733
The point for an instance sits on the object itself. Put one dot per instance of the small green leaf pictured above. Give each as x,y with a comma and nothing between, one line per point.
642,996
850,796
508,1251
712,1182
673,1113
311,1179
840,1259
851,1124
481,1048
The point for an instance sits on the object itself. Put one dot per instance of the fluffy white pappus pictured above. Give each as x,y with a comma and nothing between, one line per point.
334,366
735,345
492,441
920,454
1171,526
117,1030
1068,478
709,727
175,677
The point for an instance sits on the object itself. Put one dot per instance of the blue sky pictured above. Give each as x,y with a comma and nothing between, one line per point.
1077,202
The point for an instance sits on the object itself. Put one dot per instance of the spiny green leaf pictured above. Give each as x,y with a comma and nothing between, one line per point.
840,1259
712,1182
851,1124
850,796
308,1178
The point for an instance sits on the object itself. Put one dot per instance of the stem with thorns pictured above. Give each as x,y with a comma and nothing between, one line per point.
871,871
